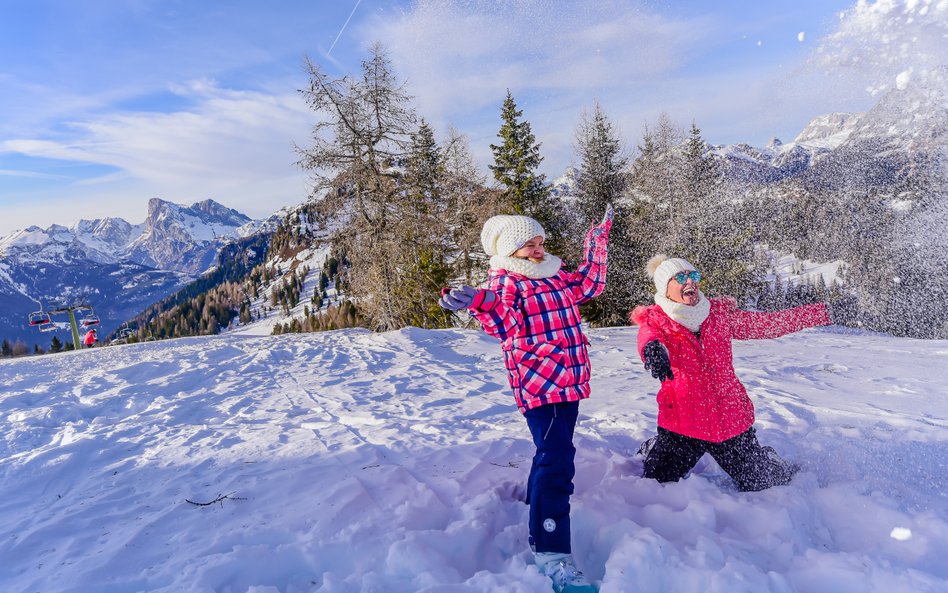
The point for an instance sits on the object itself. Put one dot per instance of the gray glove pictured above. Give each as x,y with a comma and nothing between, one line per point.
465,297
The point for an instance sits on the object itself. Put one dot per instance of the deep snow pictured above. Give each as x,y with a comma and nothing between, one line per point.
351,461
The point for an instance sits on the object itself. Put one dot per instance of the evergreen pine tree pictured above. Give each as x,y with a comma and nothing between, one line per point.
516,160
469,204
602,179
424,267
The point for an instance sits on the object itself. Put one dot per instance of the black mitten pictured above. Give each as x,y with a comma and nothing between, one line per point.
656,360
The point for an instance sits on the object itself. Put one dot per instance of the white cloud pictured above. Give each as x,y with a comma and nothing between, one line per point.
462,56
233,146
27,174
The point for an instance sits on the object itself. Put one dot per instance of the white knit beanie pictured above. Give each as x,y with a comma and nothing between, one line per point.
504,234
662,268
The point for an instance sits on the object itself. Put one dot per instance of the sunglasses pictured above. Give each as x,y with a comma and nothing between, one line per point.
682,277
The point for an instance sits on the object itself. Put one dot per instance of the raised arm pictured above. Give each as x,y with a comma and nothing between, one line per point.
589,279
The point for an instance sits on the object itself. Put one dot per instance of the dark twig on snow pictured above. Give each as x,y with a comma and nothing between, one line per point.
220,499
512,464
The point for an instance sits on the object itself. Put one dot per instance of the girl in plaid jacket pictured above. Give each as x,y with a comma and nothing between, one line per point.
531,304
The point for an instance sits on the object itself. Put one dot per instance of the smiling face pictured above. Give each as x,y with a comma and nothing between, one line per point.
686,293
532,250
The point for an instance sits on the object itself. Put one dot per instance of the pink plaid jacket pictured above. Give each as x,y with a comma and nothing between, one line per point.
538,323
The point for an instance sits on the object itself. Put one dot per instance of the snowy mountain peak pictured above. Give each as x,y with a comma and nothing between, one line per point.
203,221
214,212
106,234
831,129
565,185
176,237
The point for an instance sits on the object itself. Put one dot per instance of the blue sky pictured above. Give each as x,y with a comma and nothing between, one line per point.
107,103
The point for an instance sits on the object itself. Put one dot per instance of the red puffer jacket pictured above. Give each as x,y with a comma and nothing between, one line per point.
705,400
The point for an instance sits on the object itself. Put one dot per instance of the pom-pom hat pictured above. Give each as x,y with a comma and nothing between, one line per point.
662,268
504,234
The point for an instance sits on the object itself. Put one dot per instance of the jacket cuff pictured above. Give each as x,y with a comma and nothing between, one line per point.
479,303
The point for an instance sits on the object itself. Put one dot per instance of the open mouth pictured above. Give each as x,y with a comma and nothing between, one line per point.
689,292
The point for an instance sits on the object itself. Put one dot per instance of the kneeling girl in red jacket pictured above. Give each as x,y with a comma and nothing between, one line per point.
685,341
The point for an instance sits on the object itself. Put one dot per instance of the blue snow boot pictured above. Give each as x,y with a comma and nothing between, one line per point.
561,569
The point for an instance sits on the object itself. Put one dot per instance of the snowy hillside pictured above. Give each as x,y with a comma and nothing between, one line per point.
349,461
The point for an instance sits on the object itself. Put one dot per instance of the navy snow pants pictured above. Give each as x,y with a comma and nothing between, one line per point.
551,476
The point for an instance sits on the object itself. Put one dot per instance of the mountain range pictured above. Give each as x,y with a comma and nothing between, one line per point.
117,267
903,135
122,268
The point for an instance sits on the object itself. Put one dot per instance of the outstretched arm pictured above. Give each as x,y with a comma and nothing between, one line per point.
747,325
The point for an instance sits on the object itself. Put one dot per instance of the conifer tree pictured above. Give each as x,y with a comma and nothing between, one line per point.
602,179
469,204
516,162
678,192
424,268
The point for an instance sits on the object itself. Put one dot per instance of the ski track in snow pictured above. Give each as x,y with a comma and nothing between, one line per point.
351,461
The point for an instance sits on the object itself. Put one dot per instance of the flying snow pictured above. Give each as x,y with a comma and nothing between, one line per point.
903,79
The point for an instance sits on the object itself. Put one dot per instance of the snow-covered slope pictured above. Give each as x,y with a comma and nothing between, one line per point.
353,462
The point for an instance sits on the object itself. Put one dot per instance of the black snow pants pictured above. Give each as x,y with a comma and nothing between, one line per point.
753,467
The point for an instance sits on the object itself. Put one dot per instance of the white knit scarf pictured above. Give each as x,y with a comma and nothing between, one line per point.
545,269
689,316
